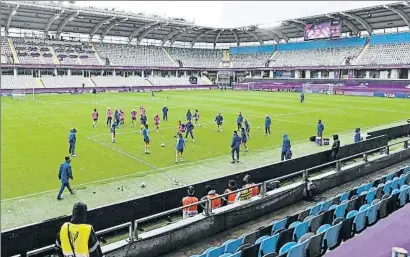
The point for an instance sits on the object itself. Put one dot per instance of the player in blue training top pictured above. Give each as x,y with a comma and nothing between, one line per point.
188,115
147,139
244,139
180,148
72,140
165,113
112,131
235,147
268,122
239,121
143,121
219,119
320,128
247,128
302,97
189,127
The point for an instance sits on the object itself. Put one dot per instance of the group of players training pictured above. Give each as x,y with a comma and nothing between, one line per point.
115,120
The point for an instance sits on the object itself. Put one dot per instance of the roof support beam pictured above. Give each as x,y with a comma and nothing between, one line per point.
109,27
147,31
50,22
273,35
297,24
360,20
255,36
279,33
170,35
402,14
217,37
65,21
183,33
96,27
349,24
236,38
140,29
200,36
13,12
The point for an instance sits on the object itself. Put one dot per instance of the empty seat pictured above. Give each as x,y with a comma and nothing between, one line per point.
332,236
279,225
315,245
268,245
300,230
216,252
233,245
285,248
371,195
387,187
395,183
372,212
299,250
360,221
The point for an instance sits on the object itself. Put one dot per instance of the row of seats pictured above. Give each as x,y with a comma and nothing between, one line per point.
385,54
18,82
323,226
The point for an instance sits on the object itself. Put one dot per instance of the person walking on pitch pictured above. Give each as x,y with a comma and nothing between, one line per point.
65,173
147,139
95,118
180,146
218,120
72,140
268,122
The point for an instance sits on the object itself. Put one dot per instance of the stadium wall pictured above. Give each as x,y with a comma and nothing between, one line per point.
42,234
379,88
164,240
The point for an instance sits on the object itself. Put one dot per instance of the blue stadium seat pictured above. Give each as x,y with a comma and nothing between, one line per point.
406,170
371,195
372,212
364,207
208,250
368,186
334,206
323,228
268,245
326,205
402,179
404,187
294,224
261,239
286,247
281,224
360,221
340,210
395,192
403,196
361,189
226,255
315,209
387,187
300,230
216,252
395,183
351,214
306,237
389,176
332,236
344,196
298,250
231,246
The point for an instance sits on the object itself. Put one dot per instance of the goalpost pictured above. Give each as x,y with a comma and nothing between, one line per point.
251,86
17,94
318,89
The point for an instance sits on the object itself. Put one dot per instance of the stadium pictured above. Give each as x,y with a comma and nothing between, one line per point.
319,106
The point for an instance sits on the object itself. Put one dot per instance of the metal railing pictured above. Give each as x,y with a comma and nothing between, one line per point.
208,210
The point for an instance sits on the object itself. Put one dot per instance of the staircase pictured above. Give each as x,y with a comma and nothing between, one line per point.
13,51
360,55
206,80
170,57
40,83
55,58
93,82
96,54
149,82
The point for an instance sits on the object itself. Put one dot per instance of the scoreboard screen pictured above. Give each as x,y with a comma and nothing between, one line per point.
323,30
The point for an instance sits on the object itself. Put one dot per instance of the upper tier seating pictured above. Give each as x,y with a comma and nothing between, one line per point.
249,60
314,57
191,57
74,53
32,52
18,82
323,226
386,54
6,54
131,55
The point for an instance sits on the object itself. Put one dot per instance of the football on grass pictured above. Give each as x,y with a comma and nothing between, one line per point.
162,145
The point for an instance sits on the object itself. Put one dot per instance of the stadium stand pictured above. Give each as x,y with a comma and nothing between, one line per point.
320,53
249,60
387,49
18,82
202,58
324,226
131,55
74,53
32,52
109,81
66,81
6,54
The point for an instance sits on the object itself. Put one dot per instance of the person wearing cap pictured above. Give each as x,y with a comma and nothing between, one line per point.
165,113
230,199
210,194
65,174
77,238
285,148
187,200
268,123
72,139
252,189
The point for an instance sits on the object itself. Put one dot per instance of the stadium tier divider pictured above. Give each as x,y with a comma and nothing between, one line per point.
324,226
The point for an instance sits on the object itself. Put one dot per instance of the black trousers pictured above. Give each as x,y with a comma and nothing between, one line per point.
109,120
267,130
233,151
282,156
165,117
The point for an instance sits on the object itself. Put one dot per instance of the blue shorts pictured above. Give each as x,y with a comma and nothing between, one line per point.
219,123
146,140
244,141
180,150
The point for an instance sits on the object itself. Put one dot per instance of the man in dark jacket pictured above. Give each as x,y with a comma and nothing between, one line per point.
76,238
235,146
65,173
335,147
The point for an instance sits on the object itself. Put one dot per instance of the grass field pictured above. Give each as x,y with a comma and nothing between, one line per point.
34,133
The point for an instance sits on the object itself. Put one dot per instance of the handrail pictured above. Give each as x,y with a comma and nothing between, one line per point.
133,230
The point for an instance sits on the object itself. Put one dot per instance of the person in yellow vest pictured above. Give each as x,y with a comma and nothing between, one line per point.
76,238
230,199
252,189
187,200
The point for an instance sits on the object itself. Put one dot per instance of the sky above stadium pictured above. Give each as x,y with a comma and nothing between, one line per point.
233,13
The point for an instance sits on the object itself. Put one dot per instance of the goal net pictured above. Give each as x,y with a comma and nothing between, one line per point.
17,94
318,88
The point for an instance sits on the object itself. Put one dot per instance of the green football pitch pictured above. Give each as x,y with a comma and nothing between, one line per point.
34,132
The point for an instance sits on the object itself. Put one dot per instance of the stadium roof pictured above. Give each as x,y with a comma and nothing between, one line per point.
57,18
